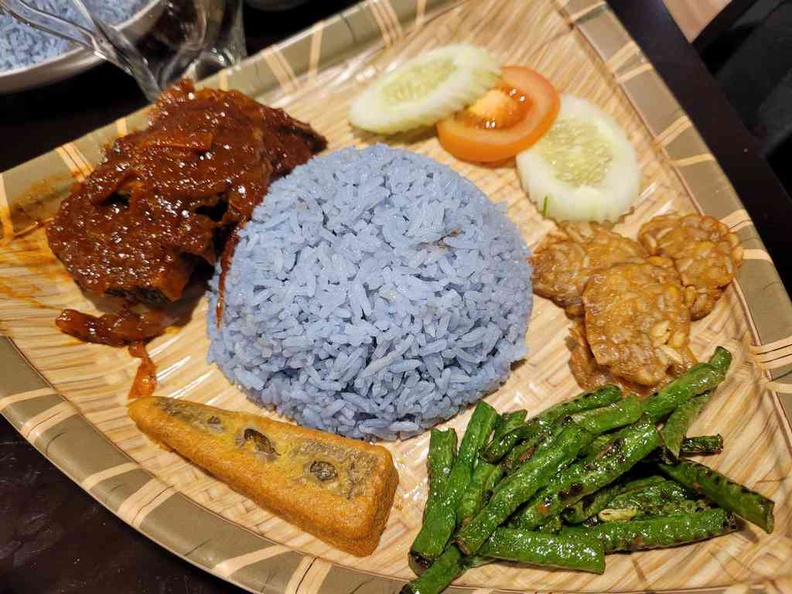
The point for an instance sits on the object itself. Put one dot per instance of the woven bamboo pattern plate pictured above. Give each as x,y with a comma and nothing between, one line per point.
68,398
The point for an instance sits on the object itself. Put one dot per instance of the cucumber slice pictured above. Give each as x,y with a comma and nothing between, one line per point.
425,90
584,168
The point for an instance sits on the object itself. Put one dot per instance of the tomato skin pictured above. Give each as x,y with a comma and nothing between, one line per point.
487,145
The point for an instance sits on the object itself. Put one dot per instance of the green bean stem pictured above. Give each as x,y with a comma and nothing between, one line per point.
721,360
622,452
619,414
673,432
674,429
556,453
450,565
440,522
586,401
439,461
729,495
658,532
547,550
701,445
508,421
698,379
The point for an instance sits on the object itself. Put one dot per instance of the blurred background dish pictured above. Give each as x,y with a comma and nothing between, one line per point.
30,58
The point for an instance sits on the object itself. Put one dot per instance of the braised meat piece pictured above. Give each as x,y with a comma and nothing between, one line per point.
166,197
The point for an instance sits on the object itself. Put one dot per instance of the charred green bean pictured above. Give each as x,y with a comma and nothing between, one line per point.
439,461
698,379
701,445
627,448
508,421
485,477
674,429
658,532
556,453
551,526
586,401
615,415
721,360
590,505
440,522
442,572
547,550
668,498
523,451
731,496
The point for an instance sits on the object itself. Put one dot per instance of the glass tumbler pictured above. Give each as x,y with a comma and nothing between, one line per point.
163,41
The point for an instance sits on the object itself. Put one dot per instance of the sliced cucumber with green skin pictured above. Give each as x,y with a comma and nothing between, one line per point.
584,168
425,90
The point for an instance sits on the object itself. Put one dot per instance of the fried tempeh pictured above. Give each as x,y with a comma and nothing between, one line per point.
637,322
566,259
706,255
338,489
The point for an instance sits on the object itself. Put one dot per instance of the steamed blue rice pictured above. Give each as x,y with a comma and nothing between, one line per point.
374,293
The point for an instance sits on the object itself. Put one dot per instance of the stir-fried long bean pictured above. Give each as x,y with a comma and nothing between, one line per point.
507,422
586,401
523,451
651,500
721,360
440,522
627,448
441,573
674,429
658,532
701,445
439,461
698,379
555,490
548,550
613,416
515,490
592,504
485,477
731,496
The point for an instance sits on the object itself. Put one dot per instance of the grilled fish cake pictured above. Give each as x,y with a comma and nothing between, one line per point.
706,255
566,258
637,322
338,489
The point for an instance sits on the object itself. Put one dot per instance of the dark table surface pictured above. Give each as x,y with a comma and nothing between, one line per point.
54,538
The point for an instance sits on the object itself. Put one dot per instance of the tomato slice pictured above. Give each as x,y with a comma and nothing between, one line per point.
506,121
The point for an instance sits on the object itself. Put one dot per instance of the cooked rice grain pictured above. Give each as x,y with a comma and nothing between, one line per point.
374,293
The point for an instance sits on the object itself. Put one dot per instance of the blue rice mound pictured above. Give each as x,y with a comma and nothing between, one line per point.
373,294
